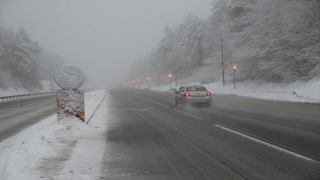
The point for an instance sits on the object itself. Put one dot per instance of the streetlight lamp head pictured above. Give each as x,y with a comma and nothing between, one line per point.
234,67
148,78
169,75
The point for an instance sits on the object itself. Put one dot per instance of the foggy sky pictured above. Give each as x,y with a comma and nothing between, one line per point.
102,38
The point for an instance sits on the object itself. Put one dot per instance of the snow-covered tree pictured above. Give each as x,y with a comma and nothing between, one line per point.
181,50
21,60
25,52
190,38
268,39
163,61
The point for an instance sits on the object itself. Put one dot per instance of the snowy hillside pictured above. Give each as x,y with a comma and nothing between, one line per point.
271,40
23,64
11,91
268,40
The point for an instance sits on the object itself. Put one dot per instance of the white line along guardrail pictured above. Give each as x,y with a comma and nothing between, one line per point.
5,98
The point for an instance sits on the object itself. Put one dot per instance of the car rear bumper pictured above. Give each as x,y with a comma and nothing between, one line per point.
195,100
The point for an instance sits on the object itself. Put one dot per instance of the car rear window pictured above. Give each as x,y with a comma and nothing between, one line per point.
196,88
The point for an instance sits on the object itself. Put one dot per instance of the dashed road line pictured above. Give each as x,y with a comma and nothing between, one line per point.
188,114
171,108
36,114
162,105
268,144
145,109
179,111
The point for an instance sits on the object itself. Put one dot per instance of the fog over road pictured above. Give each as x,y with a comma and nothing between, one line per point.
149,138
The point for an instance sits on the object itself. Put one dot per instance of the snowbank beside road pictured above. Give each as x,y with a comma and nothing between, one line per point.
51,149
298,91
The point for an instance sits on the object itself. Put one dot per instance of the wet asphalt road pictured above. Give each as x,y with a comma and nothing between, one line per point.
148,137
17,115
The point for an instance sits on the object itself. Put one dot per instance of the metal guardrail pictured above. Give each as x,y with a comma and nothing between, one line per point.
6,98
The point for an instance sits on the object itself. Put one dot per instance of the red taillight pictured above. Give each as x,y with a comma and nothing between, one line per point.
187,94
208,93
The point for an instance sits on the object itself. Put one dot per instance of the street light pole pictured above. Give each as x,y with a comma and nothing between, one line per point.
234,74
222,58
148,82
157,75
223,81
170,80
138,83
28,86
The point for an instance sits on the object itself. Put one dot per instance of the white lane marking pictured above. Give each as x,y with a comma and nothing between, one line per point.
269,145
187,114
145,109
179,111
172,109
162,105
36,113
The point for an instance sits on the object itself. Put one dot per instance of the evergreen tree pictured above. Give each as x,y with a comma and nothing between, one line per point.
20,61
163,56
190,37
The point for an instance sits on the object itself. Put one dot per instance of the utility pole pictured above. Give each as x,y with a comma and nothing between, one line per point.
176,71
223,81
170,80
222,59
28,86
234,76
157,75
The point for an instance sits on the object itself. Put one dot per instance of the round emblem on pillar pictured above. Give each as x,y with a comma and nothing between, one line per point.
69,77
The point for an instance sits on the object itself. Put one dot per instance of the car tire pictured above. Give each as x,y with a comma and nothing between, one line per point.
209,104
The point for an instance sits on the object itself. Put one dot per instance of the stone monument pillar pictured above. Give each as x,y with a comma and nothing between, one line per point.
70,99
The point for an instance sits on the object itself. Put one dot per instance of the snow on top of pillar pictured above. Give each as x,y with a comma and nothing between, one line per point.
69,77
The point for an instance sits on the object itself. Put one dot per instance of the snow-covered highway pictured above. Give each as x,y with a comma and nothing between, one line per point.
18,114
236,138
141,134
